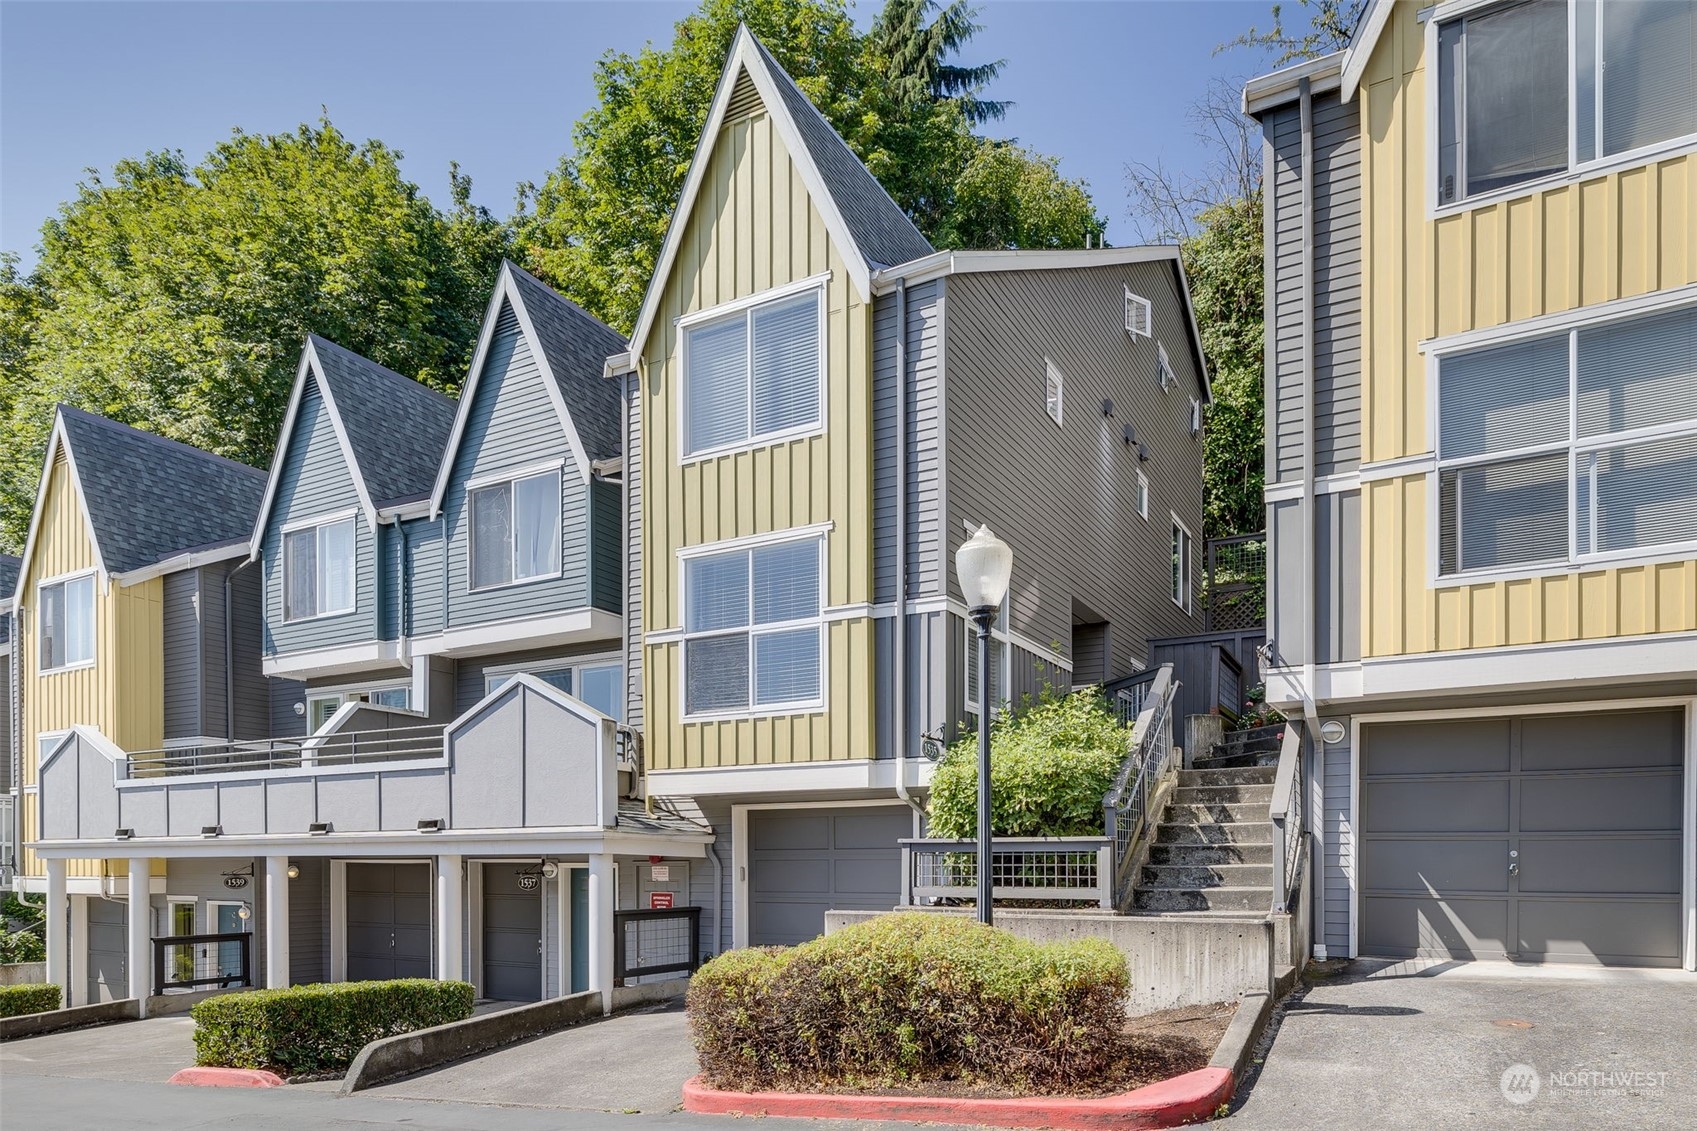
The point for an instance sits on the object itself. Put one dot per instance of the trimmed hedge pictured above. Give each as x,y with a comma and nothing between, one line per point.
319,1028
909,998
28,997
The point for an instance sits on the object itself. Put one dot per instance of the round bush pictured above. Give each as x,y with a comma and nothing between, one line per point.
911,998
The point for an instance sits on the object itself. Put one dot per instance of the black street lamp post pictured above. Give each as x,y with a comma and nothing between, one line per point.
984,564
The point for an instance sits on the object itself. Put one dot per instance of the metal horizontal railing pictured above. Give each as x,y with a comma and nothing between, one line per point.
343,748
1064,869
1288,812
192,962
1126,815
657,941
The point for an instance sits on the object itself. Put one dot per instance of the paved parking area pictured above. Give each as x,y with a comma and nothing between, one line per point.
136,1051
1427,1046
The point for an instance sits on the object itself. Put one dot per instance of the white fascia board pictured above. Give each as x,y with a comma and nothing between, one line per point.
336,661
563,841
1276,88
848,774
56,440
179,562
1360,48
579,626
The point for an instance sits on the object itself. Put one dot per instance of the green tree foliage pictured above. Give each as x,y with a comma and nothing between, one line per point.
1330,26
177,297
1050,766
895,94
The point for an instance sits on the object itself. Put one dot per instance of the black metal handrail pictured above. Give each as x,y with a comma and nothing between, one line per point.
664,940
338,748
176,955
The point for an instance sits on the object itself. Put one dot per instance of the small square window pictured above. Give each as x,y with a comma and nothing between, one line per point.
1142,495
1139,315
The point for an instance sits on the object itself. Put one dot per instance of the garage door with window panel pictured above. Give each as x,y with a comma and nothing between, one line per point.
1540,838
388,921
805,862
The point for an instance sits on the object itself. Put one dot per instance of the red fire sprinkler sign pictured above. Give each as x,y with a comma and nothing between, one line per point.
659,901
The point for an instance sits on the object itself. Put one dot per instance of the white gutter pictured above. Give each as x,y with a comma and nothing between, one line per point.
899,705
179,562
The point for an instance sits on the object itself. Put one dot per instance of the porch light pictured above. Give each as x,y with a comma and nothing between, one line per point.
244,912
984,564
123,834
318,828
211,830
294,870
550,869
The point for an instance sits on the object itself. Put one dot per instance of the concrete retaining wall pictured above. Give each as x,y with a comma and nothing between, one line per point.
23,974
1174,961
649,993
58,1020
167,1005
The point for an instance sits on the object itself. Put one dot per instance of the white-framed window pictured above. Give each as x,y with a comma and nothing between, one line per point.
1573,446
322,705
1139,315
599,684
756,374
318,568
1533,90
1184,564
1142,495
64,620
1001,664
515,529
1195,416
45,741
1164,369
1054,391
753,631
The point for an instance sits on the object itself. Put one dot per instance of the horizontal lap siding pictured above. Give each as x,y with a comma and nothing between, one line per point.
922,442
1555,249
182,672
1338,845
425,595
1284,303
754,228
1337,287
316,480
606,530
1065,498
513,425
635,707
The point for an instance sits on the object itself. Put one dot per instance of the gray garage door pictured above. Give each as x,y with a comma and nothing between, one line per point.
388,921
512,932
108,944
1544,838
805,862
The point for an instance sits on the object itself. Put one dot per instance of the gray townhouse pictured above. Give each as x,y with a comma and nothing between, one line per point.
9,726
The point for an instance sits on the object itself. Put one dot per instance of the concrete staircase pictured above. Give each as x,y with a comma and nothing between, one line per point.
1213,846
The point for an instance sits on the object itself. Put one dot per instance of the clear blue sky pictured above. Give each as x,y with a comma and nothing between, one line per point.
497,85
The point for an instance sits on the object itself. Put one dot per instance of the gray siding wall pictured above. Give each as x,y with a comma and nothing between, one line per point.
285,693
181,671
309,922
921,442
6,723
203,879
197,659
512,425
421,573
606,553
1065,497
633,551
471,677
316,480
1332,896
1335,575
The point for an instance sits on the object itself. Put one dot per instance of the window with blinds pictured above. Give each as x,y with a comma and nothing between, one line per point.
318,570
1522,94
1577,445
515,530
755,375
753,633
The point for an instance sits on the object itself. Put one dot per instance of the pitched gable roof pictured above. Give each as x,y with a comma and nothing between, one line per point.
391,428
870,230
571,348
146,498
8,576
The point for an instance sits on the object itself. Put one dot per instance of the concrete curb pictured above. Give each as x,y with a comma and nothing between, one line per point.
1238,1042
226,1078
77,1017
1170,1103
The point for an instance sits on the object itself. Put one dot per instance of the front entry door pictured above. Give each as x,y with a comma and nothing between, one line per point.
512,932
580,929
388,921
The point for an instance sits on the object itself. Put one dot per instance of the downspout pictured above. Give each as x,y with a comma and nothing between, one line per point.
898,705
1308,465
230,649
718,899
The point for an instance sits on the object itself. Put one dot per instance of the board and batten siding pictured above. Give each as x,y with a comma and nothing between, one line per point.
316,480
1571,244
512,425
1010,465
753,227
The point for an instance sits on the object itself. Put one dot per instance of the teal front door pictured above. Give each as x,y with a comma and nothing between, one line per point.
230,922
580,929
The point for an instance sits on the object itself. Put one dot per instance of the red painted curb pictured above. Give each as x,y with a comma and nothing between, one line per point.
1183,1099
227,1078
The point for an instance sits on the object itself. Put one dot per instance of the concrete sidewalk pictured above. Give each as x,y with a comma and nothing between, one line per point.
148,1050
1426,1046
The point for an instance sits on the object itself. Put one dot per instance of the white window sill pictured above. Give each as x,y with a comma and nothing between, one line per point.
1587,563
775,710
766,440
519,584
332,615
79,667
1590,171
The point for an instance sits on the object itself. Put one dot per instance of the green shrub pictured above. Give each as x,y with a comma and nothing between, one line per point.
320,1028
30,997
1050,766
22,946
911,998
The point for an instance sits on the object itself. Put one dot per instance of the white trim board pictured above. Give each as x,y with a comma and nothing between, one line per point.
843,774
56,440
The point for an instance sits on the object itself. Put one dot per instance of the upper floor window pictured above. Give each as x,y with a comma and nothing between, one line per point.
515,530
753,635
1164,369
1184,558
1521,97
318,569
65,618
1139,315
1576,445
1054,390
1142,495
599,685
755,374
1001,664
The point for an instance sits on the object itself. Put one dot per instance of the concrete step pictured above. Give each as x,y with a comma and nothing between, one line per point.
1217,813
1189,832
1208,876
1261,795
1211,853
1205,899
1245,775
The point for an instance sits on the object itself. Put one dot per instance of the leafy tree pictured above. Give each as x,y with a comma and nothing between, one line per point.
177,297
1331,25
1006,196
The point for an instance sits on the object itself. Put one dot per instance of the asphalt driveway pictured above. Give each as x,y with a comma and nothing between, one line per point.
1391,1045
130,1051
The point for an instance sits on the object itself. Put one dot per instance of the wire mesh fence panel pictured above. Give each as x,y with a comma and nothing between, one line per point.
1048,870
194,962
661,941
1235,586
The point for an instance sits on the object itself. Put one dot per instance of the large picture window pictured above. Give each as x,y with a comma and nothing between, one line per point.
753,637
1576,445
1520,98
753,375
515,530
65,621
318,570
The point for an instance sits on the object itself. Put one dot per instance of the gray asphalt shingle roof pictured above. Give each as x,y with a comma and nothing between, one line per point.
882,231
8,585
397,428
150,498
577,345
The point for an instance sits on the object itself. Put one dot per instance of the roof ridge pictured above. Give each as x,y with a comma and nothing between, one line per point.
379,367
570,304
145,436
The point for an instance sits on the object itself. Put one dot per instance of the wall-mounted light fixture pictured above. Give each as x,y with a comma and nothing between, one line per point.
431,825
294,870
300,708
244,912
1142,453
1107,407
318,828
1130,435
211,830
123,834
